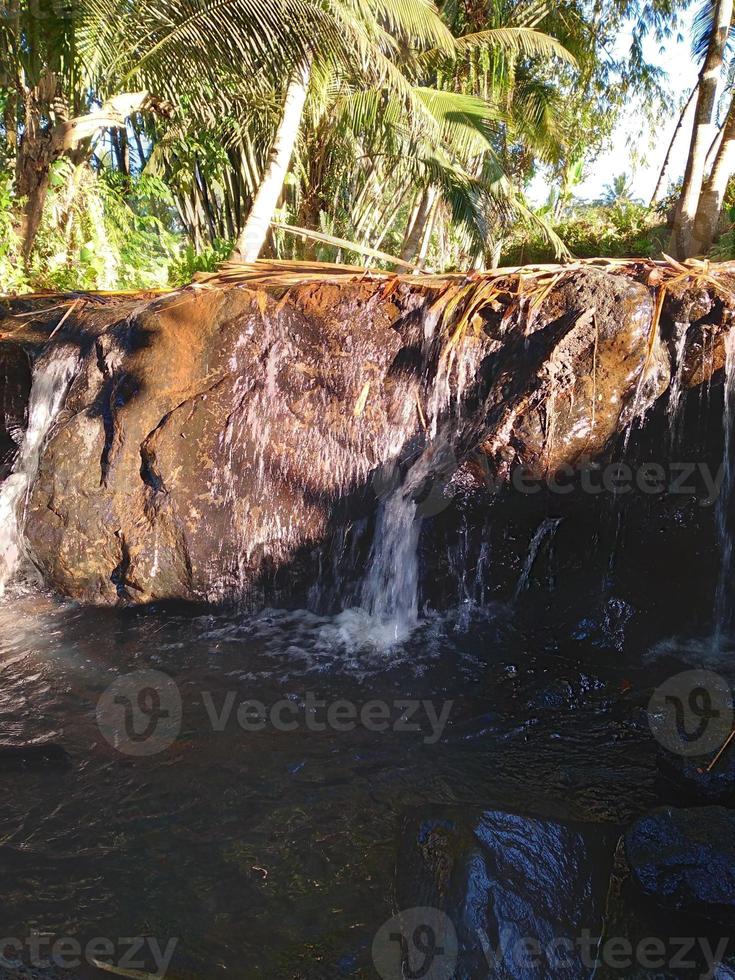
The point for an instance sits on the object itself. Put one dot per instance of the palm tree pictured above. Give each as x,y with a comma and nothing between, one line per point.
412,23
73,70
704,132
720,160
711,199
620,191
434,119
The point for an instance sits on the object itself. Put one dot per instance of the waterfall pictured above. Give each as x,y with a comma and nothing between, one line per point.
390,590
675,391
724,498
547,528
51,377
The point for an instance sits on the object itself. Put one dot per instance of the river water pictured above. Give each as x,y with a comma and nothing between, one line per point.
269,850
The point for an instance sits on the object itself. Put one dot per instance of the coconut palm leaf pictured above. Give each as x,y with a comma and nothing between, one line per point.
518,41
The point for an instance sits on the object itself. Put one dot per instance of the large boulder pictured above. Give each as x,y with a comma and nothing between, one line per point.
218,435
210,433
685,860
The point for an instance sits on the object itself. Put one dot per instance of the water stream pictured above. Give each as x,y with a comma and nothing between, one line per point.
51,377
545,530
390,589
676,389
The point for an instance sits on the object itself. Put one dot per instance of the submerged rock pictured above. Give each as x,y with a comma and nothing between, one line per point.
526,895
685,860
27,755
690,779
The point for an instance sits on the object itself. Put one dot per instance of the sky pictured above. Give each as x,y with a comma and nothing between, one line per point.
681,70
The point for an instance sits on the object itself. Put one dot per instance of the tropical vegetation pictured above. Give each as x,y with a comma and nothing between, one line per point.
144,140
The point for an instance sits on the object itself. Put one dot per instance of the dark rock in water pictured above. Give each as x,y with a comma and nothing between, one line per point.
22,972
526,895
689,780
28,755
685,860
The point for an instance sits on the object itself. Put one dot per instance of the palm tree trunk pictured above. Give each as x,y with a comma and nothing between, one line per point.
415,230
665,165
252,237
682,238
428,230
714,149
713,194
41,145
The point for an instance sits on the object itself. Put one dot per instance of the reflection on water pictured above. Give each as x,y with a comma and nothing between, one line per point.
271,852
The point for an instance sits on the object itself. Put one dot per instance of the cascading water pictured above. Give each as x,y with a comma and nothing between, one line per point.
546,529
723,608
676,389
51,377
390,590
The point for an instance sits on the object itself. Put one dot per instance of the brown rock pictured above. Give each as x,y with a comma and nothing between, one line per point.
217,432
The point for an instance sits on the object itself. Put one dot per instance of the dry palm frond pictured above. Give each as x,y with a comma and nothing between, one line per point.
349,246
530,282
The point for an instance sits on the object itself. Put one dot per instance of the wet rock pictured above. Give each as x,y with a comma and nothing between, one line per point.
586,351
209,437
689,779
685,860
565,693
522,892
15,386
216,436
27,755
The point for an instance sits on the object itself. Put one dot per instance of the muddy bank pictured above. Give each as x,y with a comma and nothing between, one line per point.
220,435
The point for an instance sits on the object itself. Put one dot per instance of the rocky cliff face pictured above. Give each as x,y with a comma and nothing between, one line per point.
222,431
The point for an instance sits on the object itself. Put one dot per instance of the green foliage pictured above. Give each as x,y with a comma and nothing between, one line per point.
724,248
408,100
189,262
102,231
99,231
12,279
623,230
619,190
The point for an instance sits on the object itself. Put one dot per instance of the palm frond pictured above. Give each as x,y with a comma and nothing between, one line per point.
518,41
